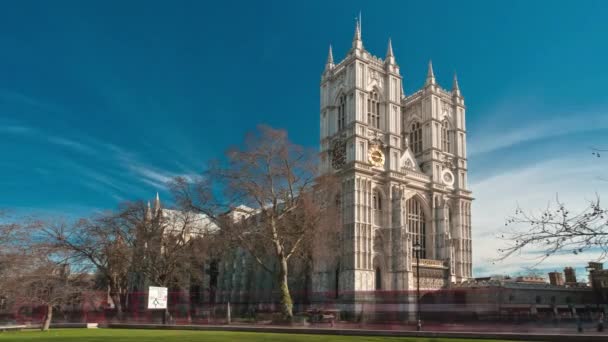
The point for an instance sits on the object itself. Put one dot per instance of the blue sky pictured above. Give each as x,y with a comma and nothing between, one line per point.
103,101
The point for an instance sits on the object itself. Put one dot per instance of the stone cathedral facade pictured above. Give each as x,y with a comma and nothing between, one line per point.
403,169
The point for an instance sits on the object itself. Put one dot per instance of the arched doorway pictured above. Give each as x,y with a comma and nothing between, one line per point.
337,282
378,278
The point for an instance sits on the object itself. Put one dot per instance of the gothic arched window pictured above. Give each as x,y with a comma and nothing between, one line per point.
342,112
377,200
378,279
445,138
377,206
373,110
417,224
416,138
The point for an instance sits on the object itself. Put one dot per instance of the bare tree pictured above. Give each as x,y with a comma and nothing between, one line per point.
11,242
34,272
557,230
172,246
159,247
102,244
266,198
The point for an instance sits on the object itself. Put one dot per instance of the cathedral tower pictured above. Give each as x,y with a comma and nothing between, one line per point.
402,164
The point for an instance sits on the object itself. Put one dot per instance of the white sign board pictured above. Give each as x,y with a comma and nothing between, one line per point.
157,297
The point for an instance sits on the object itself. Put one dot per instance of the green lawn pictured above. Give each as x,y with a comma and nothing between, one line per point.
124,335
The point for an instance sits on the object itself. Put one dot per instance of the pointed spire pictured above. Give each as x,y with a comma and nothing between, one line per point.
430,76
357,42
148,212
455,87
157,202
330,59
390,57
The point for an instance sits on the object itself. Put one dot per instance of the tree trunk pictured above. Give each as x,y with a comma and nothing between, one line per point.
47,318
124,303
117,304
286,302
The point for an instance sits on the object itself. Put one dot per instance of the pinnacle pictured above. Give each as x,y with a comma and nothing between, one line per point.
455,86
430,76
330,56
357,30
455,83
157,202
357,42
389,52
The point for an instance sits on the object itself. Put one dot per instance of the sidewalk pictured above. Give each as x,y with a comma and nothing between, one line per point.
367,331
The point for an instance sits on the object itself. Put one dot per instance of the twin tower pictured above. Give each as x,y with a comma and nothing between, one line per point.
402,164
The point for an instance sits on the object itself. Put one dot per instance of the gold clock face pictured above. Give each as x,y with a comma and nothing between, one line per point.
376,157
448,178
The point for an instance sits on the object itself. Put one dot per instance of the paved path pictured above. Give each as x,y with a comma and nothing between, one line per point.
514,335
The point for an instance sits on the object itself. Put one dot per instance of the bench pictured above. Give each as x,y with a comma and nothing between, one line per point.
327,318
11,327
319,316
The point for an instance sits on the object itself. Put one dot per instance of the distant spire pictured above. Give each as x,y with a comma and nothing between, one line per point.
357,42
330,59
157,202
430,76
148,212
455,87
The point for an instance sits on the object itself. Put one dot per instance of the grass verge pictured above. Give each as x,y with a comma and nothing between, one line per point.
141,335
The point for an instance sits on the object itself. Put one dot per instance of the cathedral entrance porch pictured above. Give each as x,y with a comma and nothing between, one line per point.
389,297
434,274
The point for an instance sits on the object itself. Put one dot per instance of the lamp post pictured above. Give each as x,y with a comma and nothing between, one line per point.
417,249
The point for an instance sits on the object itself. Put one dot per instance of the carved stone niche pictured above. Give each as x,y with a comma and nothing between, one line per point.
430,283
374,75
408,164
431,273
448,162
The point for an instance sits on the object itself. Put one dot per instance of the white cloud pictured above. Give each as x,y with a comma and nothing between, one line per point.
152,175
72,144
45,136
495,136
573,178
157,178
16,129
